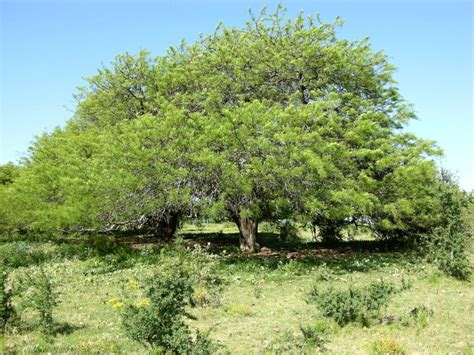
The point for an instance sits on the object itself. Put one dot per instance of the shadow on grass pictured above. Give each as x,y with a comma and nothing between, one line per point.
107,253
298,256
356,262
57,328
64,328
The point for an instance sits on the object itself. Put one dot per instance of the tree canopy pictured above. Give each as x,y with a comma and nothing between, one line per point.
277,119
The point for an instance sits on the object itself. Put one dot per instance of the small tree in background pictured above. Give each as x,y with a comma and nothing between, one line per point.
447,243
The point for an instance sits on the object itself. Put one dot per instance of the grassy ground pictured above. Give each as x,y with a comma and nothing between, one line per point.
263,302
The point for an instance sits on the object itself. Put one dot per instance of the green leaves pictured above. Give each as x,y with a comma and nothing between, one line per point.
277,119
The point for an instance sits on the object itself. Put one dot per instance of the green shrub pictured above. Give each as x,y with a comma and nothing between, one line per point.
103,244
38,293
22,253
199,266
418,316
311,340
446,245
159,323
288,231
7,312
315,336
354,305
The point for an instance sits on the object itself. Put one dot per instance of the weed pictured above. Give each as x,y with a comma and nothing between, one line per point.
239,310
257,291
386,347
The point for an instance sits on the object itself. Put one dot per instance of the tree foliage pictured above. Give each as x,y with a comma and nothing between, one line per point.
277,119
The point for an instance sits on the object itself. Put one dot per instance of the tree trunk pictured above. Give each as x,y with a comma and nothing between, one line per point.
248,229
165,228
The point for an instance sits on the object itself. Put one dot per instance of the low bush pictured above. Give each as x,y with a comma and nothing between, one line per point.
419,316
159,321
354,305
7,312
22,253
312,339
315,336
37,292
200,267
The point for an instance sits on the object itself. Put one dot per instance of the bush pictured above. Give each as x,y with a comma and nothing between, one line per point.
315,336
38,294
200,267
418,316
159,322
311,340
288,231
354,305
22,253
7,311
446,245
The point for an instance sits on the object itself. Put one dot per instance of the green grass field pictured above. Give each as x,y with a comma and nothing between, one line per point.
262,300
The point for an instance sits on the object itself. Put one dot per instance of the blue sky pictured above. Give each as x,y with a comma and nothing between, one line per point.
47,47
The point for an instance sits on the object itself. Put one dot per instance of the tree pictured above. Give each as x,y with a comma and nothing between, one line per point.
345,115
9,172
278,119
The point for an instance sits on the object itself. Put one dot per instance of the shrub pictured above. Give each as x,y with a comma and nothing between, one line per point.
418,316
354,305
7,311
22,253
315,336
311,340
446,245
159,322
200,267
38,293
288,231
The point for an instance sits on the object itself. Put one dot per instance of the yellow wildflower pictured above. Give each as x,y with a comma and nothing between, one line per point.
118,305
112,301
144,302
133,283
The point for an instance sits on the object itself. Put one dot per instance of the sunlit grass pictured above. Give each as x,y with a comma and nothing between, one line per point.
264,301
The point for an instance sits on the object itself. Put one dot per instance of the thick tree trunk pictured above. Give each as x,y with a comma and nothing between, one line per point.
248,229
165,228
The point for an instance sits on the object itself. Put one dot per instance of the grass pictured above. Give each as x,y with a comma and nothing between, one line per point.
264,299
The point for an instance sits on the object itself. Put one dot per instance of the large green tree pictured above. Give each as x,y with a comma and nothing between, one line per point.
277,119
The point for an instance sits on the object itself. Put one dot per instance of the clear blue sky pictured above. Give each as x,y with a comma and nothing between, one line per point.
48,46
